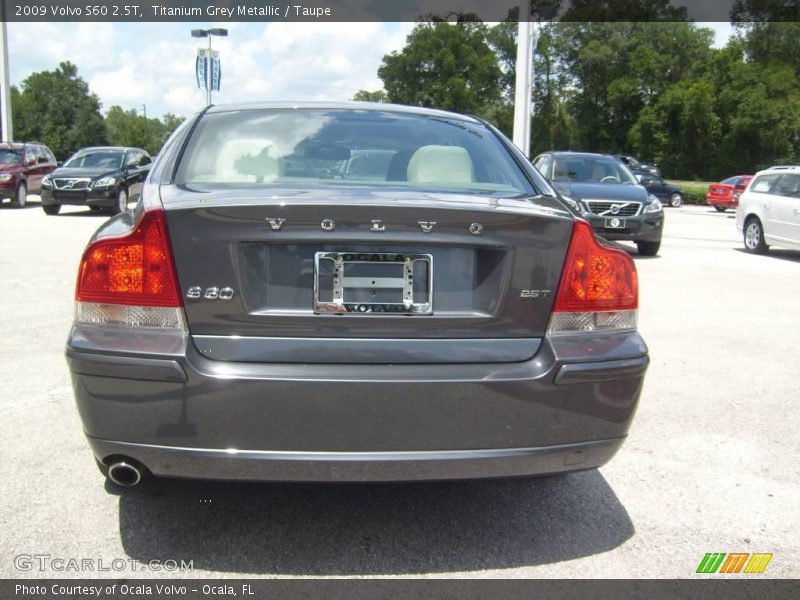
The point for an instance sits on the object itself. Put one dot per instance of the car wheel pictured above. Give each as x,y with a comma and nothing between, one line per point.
51,209
754,236
21,199
122,202
675,200
720,208
648,248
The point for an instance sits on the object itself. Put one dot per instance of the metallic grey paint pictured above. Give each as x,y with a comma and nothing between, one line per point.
263,388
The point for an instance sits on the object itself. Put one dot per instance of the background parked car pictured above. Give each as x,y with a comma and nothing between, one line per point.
101,177
605,193
668,193
635,165
769,210
22,168
725,194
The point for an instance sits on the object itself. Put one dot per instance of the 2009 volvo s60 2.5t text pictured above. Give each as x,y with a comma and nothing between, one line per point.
358,292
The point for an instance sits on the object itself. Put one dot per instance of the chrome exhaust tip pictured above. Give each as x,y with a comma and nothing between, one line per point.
124,474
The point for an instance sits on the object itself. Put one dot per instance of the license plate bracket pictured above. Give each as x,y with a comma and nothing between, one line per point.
394,283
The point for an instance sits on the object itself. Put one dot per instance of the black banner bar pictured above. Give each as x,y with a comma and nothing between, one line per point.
395,10
391,589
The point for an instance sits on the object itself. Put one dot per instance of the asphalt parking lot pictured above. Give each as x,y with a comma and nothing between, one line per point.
712,463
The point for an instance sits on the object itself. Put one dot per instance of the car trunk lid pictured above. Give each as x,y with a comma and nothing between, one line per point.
258,272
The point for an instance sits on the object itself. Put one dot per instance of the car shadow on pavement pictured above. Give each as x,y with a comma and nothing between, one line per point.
85,213
631,250
371,529
790,255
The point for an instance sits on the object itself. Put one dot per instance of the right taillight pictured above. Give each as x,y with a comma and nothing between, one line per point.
598,290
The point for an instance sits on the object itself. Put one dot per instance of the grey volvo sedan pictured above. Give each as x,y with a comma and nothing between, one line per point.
358,292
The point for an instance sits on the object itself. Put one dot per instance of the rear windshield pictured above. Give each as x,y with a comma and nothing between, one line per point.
267,147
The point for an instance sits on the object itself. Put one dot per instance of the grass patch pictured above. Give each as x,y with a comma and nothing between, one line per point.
694,191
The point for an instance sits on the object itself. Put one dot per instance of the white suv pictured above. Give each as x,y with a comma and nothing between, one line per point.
769,210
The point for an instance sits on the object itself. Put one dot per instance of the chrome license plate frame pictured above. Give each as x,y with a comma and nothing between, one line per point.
340,303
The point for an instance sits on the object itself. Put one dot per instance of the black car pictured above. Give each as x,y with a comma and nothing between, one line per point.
100,177
603,191
635,164
668,193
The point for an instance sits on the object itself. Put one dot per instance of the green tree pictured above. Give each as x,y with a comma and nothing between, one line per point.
617,69
366,96
128,128
444,65
771,30
552,127
171,122
57,108
681,130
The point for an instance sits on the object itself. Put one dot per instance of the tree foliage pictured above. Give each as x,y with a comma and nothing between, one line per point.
129,128
652,85
57,108
446,65
366,96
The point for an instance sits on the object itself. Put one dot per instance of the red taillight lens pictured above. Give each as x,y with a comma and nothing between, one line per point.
595,278
135,269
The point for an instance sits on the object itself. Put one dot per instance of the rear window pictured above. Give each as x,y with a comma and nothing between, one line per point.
763,184
789,186
265,147
731,181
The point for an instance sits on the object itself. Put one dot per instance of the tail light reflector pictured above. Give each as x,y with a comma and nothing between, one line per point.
599,289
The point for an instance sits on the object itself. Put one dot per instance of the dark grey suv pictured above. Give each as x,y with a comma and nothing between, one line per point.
604,192
351,292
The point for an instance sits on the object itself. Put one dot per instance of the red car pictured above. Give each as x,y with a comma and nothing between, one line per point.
22,168
725,194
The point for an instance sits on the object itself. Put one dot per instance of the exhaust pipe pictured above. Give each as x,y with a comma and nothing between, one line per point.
124,474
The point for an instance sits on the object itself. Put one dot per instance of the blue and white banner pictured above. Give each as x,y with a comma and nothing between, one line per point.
216,71
201,68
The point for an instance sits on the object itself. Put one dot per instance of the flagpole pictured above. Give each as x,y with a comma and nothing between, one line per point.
208,74
7,132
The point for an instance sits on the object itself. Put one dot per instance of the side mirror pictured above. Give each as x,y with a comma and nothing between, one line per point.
29,162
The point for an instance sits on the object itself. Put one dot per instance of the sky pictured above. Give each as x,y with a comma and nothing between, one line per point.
133,64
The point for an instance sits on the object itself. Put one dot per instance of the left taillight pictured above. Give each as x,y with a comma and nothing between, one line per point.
130,280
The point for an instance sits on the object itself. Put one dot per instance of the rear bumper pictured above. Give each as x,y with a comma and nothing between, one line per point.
726,201
101,198
202,463
183,415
